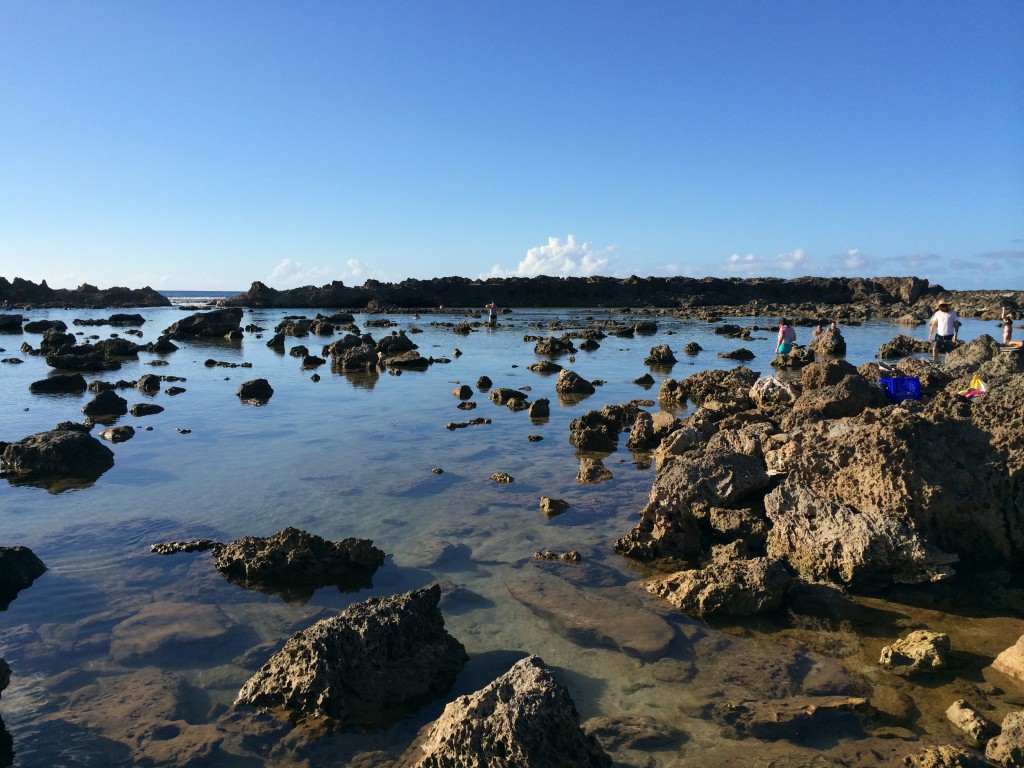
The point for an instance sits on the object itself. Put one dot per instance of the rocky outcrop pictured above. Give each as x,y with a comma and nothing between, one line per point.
255,392
214,324
859,297
11,322
66,454
903,346
599,430
731,386
106,403
296,562
725,586
369,666
1011,661
571,383
524,718
555,346
1007,749
861,550
19,567
683,490
918,653
26,293
660,356
59,383
828,343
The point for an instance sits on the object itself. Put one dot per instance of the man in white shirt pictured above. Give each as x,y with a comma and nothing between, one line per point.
942,329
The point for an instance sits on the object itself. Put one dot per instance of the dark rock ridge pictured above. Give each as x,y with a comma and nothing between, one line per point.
26,293
884,296
370,665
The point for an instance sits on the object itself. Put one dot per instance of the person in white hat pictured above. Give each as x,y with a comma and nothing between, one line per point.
942,329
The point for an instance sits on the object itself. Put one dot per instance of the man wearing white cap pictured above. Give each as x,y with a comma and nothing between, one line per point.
942,329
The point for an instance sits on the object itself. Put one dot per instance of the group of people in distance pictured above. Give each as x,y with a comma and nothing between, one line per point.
942,330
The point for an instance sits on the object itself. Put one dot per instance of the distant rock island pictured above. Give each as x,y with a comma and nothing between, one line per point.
859,297
25,293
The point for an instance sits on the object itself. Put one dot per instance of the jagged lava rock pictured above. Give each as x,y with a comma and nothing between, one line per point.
296,558
370,665
524,719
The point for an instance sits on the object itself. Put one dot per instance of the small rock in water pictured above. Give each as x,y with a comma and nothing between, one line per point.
502,477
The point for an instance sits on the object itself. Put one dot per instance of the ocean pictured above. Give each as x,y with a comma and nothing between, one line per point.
353,455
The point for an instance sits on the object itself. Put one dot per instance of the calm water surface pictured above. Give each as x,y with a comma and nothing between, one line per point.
350,455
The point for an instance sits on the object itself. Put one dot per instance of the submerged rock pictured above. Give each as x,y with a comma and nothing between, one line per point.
370,665
524,718
606,617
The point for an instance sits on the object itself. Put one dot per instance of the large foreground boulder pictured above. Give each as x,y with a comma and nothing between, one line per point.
297,562
524,719
19,567
370,665
67,452
862,550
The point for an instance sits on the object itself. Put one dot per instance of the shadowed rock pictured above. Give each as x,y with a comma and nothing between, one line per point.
255,392
65,453
370,665
19,567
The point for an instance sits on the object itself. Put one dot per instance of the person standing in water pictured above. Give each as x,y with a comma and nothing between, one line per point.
492,314
942,329
787,337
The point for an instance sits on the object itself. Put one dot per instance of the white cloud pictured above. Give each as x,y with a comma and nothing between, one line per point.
780,265
854,261
293,274
558,259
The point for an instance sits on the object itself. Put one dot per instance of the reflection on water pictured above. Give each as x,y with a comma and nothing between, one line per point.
105,647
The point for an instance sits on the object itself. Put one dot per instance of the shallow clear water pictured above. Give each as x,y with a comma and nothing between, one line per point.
350,455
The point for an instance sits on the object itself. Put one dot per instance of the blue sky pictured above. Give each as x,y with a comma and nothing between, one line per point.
204,145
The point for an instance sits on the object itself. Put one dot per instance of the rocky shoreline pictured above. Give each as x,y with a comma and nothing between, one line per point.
803,496
810,299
